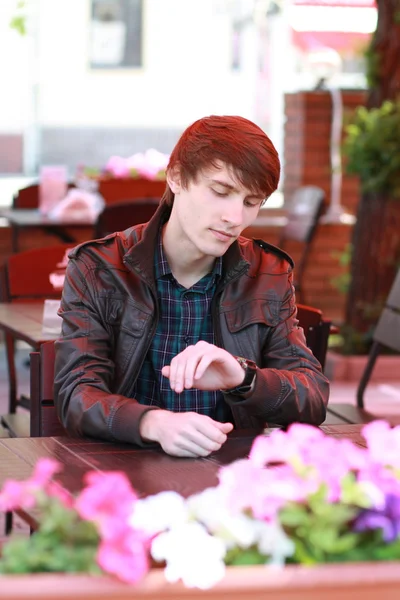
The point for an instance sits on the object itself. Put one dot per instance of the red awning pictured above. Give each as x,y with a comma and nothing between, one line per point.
338,40
353,3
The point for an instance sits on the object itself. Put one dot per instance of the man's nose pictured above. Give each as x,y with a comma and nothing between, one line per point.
234,213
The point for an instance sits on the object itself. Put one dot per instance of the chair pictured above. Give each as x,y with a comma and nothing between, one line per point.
44,419
386,334
316,330
119,216
304,212
25,277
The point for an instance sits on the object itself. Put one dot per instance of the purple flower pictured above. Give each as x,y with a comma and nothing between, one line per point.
387,519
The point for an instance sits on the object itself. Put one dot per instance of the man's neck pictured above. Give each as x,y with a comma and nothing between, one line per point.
186,268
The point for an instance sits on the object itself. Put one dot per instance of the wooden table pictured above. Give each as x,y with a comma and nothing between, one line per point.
23,321
149,470
23,218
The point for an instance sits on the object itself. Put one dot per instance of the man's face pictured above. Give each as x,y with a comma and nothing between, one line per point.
211,213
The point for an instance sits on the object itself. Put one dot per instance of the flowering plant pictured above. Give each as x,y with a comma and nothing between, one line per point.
150,164
300,497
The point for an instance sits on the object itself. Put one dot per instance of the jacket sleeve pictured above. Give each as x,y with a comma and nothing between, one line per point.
290,386
84,369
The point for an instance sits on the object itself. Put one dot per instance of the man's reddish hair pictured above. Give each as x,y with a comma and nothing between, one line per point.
235,141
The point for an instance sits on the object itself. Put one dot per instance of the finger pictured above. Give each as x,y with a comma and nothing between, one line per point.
212,430
165,371
193,436
226,427
191,368
198,446
174,372
202,366
178,377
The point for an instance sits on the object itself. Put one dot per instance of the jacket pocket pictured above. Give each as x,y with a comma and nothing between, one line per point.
252,312
129,326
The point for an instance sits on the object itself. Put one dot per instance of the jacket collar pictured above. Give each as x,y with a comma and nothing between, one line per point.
143,239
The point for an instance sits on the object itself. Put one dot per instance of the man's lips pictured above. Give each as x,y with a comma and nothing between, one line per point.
222,235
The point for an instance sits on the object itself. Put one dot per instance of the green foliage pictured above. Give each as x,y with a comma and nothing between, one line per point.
342,281
372,67
18,21
322,531
372,147
239,557
63,543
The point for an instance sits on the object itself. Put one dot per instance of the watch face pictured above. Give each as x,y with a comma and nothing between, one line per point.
242,362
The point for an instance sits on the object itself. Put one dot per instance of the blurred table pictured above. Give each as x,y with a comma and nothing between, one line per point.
23,321
24,218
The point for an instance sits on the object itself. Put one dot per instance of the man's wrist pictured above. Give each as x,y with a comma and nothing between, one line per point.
246,387
149,423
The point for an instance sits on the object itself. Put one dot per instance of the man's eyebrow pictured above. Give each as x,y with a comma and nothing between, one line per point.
231,187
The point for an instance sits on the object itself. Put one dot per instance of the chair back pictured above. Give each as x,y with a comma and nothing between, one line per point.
316,331
44,419
26,275
387,331
304,212
121,215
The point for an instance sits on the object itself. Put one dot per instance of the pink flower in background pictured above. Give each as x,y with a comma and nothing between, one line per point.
117,166
150,164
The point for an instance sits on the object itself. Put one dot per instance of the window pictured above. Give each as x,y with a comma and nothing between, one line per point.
116,34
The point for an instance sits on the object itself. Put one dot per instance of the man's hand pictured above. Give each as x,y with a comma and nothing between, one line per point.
205,367
187,434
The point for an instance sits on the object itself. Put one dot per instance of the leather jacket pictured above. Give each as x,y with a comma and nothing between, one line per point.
110,312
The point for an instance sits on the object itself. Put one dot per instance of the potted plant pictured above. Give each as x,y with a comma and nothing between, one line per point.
372,150
288,503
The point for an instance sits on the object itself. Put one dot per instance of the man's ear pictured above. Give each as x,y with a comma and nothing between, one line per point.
174,179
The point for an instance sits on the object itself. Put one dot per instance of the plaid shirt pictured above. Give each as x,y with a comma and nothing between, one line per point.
185,318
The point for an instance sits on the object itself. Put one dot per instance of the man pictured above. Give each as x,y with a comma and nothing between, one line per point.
178,330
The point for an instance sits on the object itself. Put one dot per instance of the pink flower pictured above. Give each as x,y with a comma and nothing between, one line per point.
283,446
383,443
125,556
107,499
23,494
16,494
117,166
44,470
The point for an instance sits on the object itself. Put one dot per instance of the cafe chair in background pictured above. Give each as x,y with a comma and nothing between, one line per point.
25,277
44,419
316,330
386,335
121,215
303,214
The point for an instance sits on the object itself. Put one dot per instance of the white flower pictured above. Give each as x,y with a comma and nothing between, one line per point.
159,512
191,554
273,542
211,507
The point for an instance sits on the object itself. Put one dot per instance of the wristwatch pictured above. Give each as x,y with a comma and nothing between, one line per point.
250,369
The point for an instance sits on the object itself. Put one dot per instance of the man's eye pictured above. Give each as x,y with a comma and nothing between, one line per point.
222,194
251,204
